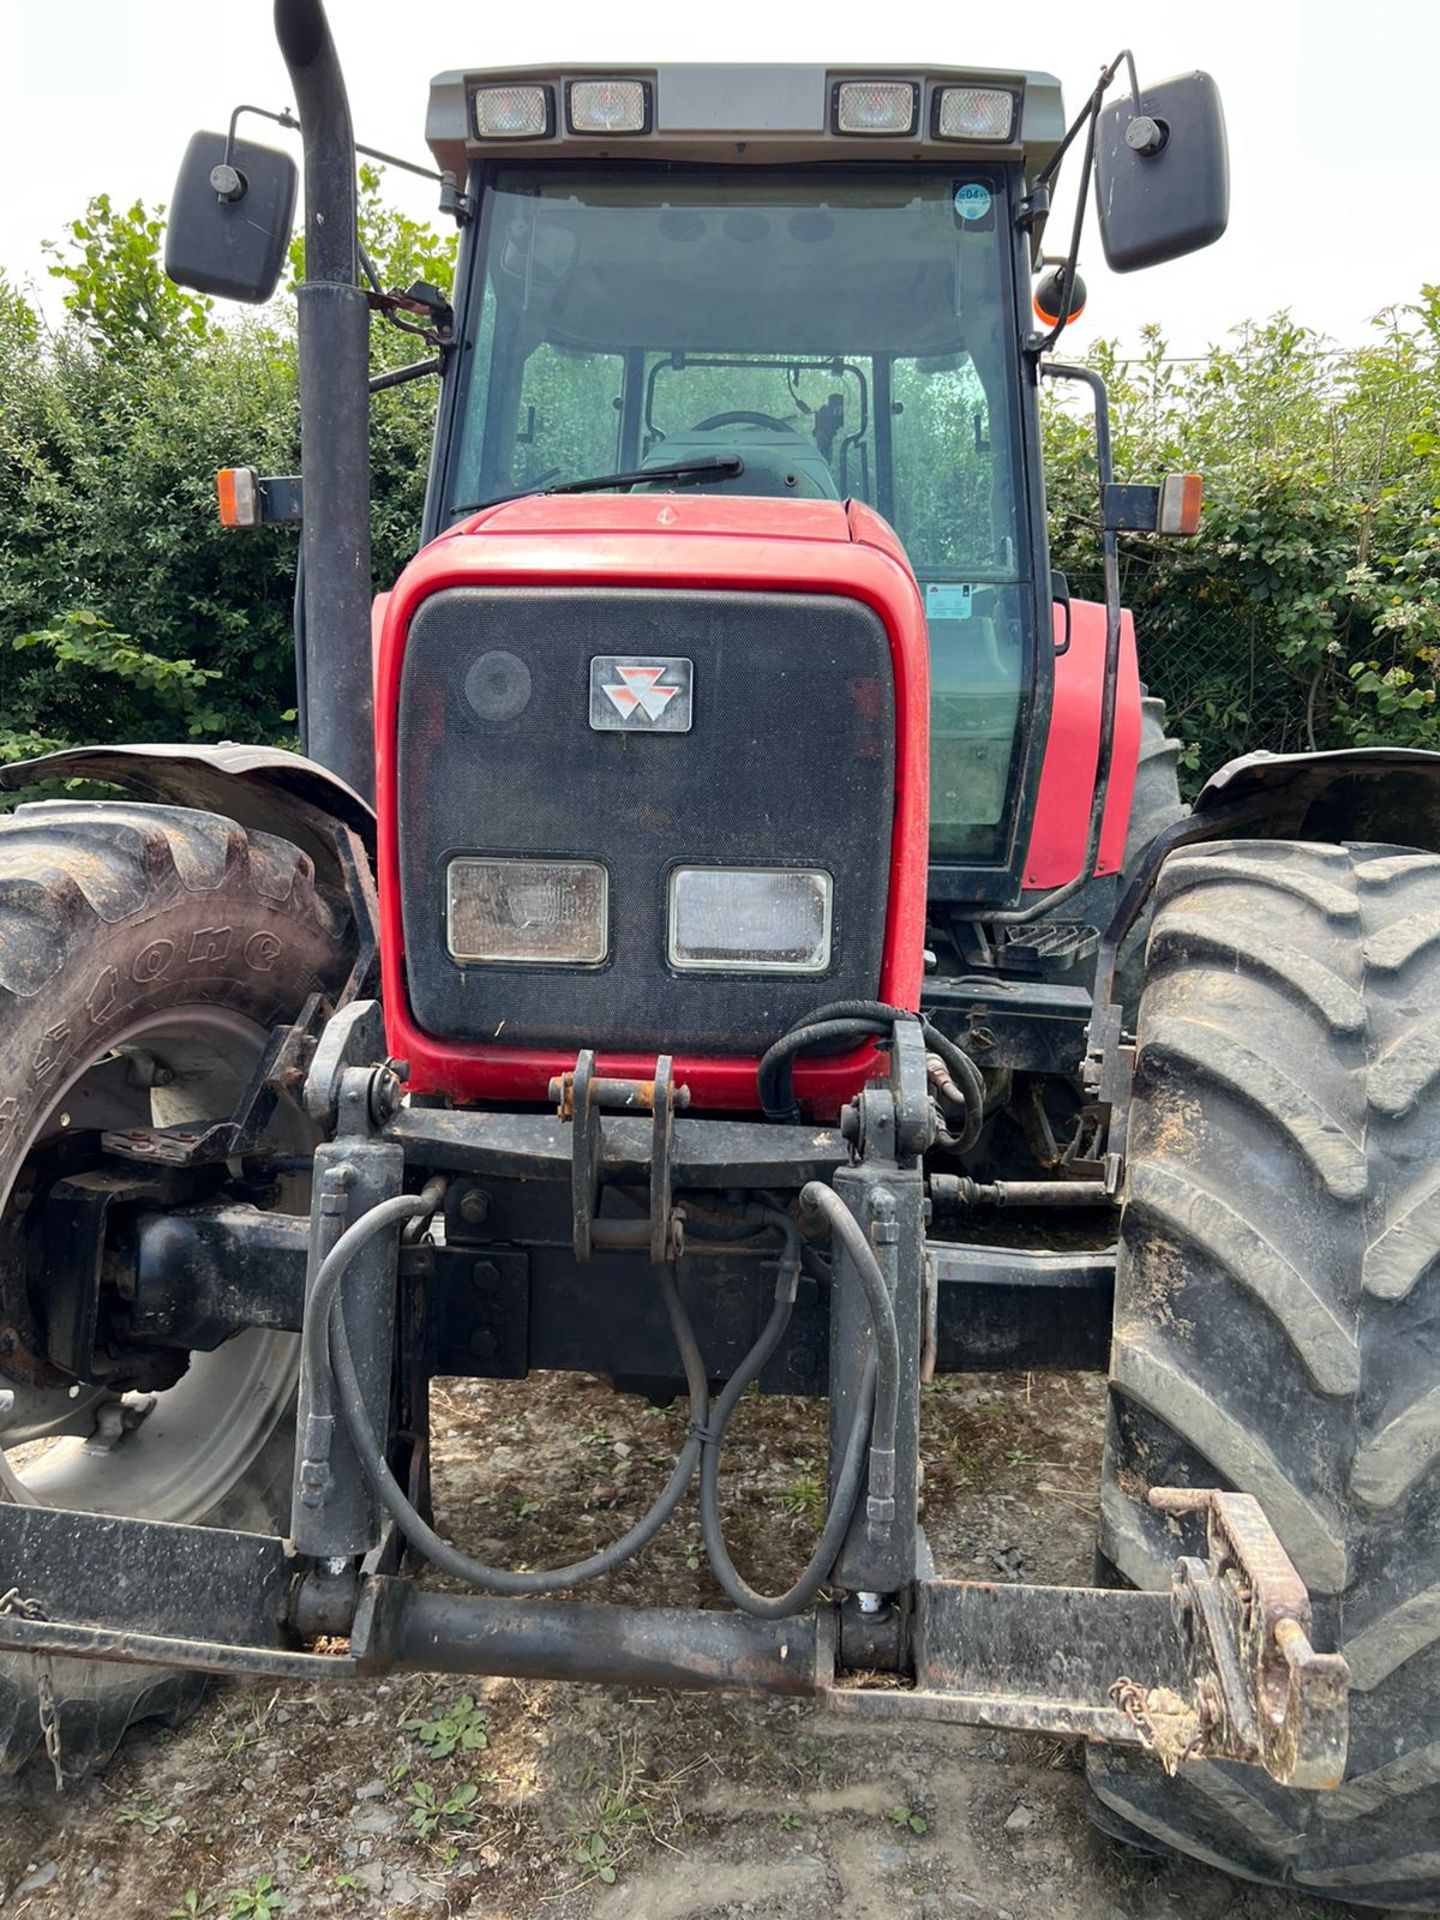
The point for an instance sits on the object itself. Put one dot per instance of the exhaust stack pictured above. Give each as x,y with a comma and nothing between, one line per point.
337,704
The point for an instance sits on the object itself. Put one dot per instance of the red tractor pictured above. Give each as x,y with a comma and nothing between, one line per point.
734,909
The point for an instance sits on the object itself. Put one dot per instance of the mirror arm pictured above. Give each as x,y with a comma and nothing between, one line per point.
1087,119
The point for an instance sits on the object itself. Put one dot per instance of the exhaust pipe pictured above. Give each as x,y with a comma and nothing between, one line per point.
337,703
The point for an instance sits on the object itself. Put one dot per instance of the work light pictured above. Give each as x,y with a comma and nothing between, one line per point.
974,113
877,106
608,106
512,113
750,920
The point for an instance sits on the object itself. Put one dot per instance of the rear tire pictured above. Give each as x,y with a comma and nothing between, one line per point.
118,921
1277,1324
1155,806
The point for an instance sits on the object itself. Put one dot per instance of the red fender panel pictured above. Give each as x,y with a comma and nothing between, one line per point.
1067,778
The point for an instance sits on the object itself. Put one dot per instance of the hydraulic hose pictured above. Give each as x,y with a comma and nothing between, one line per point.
842,1506
325,1326
844,1226
325,1322
857,1020
878,1400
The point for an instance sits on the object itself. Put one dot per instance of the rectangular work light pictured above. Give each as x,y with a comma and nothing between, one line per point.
974,113
877,106
607,106
512,113
508,912
750,920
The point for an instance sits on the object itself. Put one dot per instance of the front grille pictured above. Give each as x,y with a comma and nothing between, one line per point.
789,761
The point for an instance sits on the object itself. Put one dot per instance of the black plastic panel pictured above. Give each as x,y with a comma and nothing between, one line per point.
789,762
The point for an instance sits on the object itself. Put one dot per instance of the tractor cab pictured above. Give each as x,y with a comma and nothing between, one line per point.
834,291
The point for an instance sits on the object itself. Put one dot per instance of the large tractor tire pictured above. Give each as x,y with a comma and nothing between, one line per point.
145,954
1277,1324
1155,805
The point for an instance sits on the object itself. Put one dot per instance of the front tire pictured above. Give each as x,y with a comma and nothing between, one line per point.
145,954
1277,1324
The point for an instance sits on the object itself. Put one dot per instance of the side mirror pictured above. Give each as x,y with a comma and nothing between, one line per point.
1162,173
230,221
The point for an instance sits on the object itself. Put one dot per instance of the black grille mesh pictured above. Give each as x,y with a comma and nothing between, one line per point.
790,762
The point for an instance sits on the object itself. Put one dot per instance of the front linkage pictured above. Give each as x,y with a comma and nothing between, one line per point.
1220,1668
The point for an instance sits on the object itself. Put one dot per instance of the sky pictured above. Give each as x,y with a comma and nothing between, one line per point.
1330,109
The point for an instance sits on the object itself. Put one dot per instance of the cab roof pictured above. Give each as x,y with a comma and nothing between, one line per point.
743,114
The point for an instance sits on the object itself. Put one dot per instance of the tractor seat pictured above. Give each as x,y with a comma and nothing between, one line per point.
781,462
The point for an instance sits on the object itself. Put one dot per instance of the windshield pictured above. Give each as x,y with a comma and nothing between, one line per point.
848,333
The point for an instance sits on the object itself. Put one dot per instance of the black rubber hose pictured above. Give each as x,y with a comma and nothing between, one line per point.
845,1226
842,1507
329,1313
776,1075
970,1085
855,1020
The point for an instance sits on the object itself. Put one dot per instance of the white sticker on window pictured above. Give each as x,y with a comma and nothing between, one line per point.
946,601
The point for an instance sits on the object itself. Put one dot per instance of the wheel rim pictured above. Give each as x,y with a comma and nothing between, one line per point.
202,1434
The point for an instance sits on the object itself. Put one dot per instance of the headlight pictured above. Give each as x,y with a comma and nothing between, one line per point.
527,912
749,920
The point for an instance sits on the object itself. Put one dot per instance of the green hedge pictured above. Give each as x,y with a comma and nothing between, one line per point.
1306,613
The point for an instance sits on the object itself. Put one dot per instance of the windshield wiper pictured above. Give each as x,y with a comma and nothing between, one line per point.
711,466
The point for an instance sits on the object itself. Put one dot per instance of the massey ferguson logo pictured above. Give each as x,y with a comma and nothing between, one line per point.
647,694
643,688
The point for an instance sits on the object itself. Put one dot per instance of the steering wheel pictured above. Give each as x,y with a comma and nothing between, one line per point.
741,418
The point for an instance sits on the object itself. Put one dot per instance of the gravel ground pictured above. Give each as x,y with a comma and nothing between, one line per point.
506,1800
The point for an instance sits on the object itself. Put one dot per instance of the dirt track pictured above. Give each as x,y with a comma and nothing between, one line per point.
583,1805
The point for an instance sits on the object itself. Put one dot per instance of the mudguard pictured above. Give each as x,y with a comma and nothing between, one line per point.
1385,794
260,787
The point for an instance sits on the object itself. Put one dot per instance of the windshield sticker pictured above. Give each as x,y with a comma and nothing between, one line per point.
972,200
948,602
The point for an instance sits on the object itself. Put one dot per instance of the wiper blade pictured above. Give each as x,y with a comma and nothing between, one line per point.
712,466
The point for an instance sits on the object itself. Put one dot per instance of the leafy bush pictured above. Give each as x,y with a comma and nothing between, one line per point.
110,547
1306,614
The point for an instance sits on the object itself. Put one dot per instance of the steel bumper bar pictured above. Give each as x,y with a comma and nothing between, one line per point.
1221,1667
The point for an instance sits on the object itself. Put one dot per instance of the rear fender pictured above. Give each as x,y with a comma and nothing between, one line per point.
260,788
1390,795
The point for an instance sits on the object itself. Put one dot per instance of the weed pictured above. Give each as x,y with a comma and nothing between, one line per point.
143,1812
526,1509
258,1902
693,1553
461,1725
788,1821
429,1812
1019,1457
908,1818
594,1858
805,1495
192,1905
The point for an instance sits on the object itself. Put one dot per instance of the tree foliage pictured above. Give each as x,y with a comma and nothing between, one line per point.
1307,612
114,568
